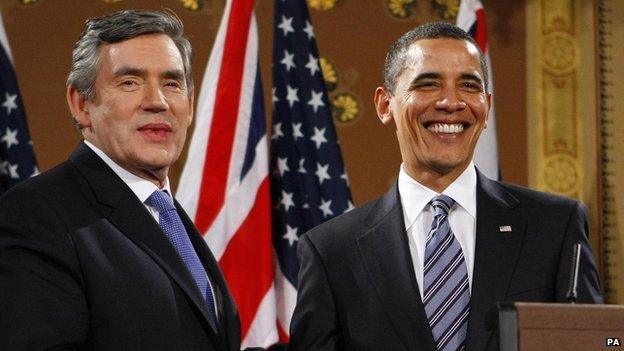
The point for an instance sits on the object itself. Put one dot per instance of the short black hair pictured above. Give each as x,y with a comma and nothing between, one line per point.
396,57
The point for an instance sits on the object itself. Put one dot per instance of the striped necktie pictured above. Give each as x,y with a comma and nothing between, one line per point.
173,227
446,293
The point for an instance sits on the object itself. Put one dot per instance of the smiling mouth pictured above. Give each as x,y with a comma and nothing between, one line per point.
446,128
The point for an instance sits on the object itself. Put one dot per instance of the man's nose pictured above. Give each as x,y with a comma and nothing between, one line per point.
449,101
153,98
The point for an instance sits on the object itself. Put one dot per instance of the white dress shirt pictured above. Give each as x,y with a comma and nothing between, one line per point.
142,188
418,215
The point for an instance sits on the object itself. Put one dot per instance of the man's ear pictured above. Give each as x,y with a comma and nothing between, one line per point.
78,107
488,97
382,104
191,106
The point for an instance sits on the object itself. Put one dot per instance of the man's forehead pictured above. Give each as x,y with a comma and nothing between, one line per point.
422,47
142,50
144,41
443,53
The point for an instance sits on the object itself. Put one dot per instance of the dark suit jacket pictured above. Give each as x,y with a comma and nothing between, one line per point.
357,286
83,265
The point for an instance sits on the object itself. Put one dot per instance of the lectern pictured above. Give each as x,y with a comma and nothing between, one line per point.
557,326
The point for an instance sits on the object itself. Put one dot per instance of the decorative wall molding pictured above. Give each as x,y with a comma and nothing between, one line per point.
611,89
556,131
562,128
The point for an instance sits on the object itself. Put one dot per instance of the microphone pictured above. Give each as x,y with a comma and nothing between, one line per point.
576,258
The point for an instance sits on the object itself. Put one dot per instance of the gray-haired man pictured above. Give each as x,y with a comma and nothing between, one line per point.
95,253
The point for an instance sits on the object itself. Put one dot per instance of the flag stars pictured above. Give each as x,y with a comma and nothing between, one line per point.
10,138
291,235
282,165
297,131
288,60
319,137
9,169
312,65
291,95
316,100
13,171
295,97
274,96
301,166
286,25
35,172
322,172
277,131
287,200
309,30
325,207
10,102
344,176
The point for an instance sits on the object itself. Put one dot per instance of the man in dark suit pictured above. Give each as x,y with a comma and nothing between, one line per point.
419,268
95,254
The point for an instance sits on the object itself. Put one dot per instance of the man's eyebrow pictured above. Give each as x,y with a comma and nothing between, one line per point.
173,74
133,71
129,71
471,76
426,75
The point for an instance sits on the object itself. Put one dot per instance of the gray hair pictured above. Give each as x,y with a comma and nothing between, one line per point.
117,27
397,54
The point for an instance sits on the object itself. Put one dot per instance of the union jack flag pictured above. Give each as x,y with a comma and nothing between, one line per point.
224,184
309,184
17,157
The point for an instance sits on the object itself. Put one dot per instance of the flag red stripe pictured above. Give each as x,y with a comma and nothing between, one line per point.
481,33
247,262
221,139
283,335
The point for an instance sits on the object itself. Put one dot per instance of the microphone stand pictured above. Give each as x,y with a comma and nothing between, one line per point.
576,258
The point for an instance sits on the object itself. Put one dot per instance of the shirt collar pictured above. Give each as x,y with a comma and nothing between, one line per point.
142,188
415,196
464,190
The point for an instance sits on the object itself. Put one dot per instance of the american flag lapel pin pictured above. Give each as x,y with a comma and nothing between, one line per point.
504,229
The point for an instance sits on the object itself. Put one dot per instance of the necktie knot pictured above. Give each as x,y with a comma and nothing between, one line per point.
161,201
442,204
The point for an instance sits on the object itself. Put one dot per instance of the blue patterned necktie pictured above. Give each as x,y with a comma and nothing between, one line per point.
173,227
446,293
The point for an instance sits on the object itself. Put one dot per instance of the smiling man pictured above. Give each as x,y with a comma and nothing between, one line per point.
419,268
95,254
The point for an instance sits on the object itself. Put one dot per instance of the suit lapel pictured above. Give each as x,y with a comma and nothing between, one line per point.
130,217
385,252
498,242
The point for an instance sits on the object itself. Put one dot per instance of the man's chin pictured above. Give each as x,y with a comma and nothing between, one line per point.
155,167
449,165
156,157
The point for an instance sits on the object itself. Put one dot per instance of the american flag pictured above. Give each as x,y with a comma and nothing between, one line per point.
309,184
471,18
17,157
224,184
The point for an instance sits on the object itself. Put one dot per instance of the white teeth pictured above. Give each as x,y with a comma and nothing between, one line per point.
446,128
